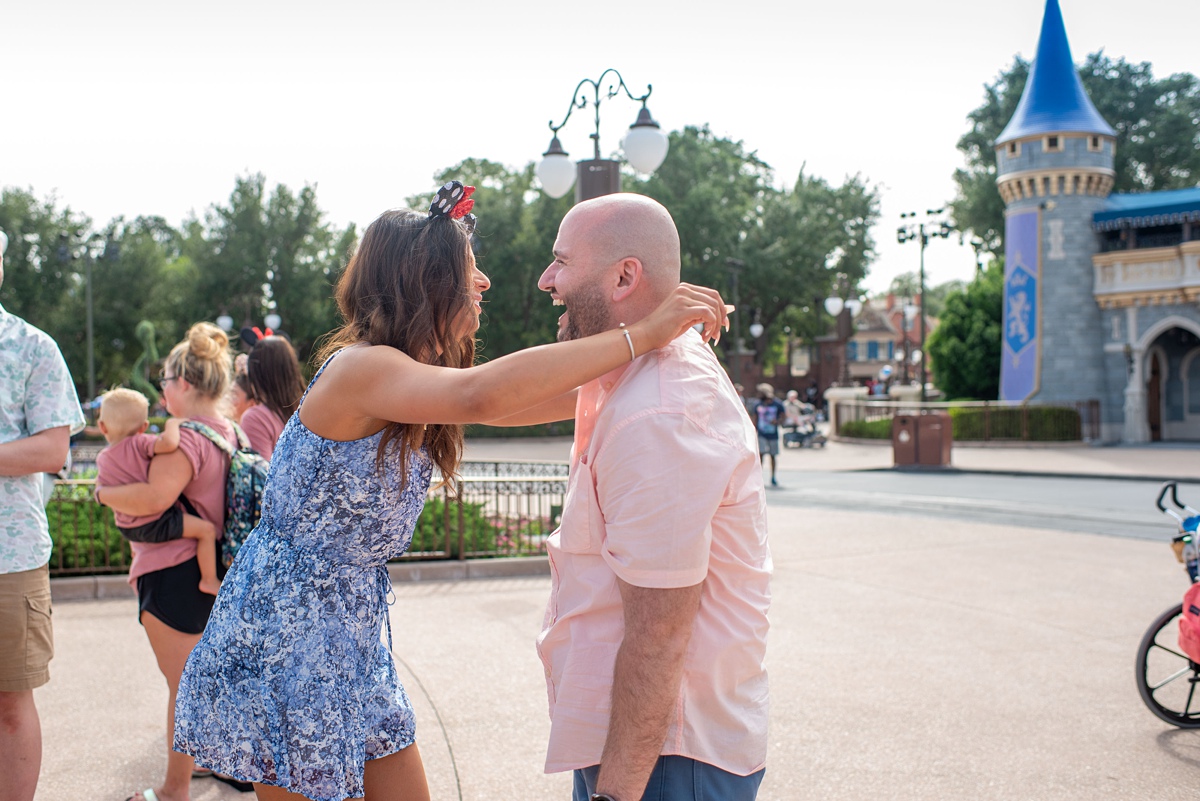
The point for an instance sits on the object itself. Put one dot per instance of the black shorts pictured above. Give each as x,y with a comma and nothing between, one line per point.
173,596
169,526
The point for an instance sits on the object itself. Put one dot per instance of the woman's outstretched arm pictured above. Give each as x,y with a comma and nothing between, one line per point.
552,411
388,385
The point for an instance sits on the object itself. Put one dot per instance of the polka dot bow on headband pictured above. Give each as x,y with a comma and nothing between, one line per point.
454,201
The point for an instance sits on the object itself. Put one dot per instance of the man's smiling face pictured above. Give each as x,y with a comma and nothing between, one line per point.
576,280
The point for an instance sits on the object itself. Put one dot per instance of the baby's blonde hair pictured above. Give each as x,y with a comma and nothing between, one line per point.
123,411
203,360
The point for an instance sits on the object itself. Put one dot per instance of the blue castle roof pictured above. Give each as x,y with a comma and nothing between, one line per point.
1145,209
1054,100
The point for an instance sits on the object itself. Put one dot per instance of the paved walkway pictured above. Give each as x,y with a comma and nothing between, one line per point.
1153,462
945,660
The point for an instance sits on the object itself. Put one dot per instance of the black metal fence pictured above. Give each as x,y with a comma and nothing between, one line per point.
494,509
979,421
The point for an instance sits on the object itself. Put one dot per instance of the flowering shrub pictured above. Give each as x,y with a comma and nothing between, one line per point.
482,533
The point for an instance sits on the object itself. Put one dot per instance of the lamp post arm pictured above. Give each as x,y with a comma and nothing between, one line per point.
581,101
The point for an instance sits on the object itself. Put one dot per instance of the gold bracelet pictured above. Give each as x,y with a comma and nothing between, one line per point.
628,341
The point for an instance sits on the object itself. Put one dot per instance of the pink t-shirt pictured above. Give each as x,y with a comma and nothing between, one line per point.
127,462
206,491
665,491
262,428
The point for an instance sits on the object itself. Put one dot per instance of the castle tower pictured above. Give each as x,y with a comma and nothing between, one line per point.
1054,171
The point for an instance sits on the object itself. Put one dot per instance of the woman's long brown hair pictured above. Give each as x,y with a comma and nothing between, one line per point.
407,287
273,372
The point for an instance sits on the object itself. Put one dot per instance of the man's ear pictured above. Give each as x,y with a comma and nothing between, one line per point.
629,277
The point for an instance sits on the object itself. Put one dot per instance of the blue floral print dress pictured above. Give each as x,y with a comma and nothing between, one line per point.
291,684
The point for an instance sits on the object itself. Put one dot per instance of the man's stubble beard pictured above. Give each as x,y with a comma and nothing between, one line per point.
587,314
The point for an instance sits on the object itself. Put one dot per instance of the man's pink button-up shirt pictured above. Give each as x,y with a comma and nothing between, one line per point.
665,491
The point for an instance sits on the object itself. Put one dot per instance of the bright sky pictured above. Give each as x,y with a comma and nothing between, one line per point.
128,107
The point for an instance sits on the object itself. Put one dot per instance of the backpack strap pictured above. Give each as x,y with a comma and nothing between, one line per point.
212,436
243,440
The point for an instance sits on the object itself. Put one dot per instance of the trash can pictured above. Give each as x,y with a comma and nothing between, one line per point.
904,440
935,435
921,439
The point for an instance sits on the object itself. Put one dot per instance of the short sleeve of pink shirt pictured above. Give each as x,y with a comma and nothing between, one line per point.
658,516
126,462
210,466
262,428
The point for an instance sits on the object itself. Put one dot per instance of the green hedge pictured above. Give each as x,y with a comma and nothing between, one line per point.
1046,424
867,429
482,533
84,534
86,539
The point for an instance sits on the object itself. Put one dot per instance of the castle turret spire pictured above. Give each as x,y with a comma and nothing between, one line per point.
1054,100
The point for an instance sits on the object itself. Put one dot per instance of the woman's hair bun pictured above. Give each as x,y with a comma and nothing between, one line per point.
206,341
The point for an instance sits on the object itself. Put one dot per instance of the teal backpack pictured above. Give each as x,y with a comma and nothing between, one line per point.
243,488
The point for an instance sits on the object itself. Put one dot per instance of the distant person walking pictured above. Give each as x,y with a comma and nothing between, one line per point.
39,411
656,628
291,687
769,414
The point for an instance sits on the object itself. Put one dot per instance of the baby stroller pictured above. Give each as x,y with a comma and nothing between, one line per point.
804,433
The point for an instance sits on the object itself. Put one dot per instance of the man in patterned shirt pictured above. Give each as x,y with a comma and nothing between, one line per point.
39,411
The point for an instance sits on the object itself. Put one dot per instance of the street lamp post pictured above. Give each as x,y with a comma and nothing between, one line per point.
735,364
844,310
907,232
95,246
908,312
756,328
645,145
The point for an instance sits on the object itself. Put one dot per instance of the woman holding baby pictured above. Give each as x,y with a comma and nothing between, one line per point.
171,606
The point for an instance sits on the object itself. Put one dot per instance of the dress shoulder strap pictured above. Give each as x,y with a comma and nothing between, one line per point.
317,375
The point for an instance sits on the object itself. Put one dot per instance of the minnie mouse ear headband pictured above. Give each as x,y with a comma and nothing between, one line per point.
251,336
454,201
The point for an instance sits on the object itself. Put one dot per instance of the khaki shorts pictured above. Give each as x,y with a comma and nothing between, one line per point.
25,629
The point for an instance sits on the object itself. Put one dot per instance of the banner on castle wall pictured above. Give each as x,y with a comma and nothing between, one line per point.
1020,368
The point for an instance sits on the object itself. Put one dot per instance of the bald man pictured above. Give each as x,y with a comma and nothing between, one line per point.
656,629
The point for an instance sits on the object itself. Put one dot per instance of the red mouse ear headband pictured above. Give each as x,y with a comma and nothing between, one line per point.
251,336
454,201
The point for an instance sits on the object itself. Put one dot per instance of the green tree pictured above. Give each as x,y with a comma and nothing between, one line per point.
793,245
713,188
305,256
231,252
1157,124
263,253
800,244
37,275
964,349
906,287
